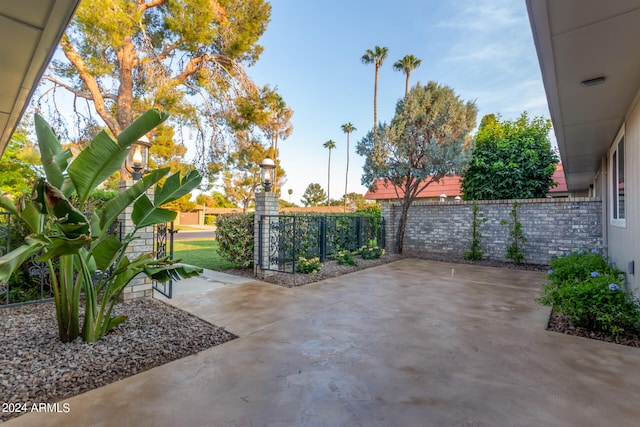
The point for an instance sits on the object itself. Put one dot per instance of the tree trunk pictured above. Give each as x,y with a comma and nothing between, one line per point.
402,225
346,180
406,84
329,179
375,100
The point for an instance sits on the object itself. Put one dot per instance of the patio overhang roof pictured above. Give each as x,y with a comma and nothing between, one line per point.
29,33
578,41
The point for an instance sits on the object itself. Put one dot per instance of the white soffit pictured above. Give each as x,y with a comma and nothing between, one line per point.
29,34
578,40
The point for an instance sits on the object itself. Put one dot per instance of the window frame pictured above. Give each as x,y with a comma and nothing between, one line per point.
617,150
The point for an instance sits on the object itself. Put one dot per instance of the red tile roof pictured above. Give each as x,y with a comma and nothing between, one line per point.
449,185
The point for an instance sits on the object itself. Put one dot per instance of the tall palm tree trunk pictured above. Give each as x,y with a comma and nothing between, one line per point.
329,180
375,100
346,179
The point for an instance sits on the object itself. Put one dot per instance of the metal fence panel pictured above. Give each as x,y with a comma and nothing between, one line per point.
293,236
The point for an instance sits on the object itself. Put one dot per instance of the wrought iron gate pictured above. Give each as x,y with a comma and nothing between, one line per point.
163,246
286,238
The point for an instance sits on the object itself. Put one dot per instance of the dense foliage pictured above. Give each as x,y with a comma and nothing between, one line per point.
17,164
308,266
426,140
235,238
510,160
314,195
80,252
589,290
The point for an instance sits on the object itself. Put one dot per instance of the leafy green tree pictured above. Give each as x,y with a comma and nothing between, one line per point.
426,140
18,165
313,195
186,56
347,128
356,200
510,160
407,64
375,56
81,254
242,177
215,200
330,144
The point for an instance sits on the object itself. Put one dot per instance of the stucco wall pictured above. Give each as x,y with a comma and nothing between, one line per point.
551,226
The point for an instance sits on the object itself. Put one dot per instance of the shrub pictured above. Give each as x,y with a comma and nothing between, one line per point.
590,291
514,251
235,238
371,252
476,253
209,219
308,266
345,258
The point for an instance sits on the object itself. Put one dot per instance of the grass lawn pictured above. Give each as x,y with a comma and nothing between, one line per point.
202,253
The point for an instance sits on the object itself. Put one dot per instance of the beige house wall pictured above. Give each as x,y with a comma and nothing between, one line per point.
624,242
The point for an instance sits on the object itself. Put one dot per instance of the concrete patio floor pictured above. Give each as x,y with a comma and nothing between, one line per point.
411,343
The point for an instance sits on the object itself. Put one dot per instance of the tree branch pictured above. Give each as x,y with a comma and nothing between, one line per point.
144,5
91,83
77,92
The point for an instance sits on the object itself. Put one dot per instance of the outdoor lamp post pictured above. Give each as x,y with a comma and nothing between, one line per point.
267,168
443,197
138,158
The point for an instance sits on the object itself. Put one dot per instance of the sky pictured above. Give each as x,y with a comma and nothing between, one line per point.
483,49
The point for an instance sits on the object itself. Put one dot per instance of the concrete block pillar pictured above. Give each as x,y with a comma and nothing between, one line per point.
141,287
266,204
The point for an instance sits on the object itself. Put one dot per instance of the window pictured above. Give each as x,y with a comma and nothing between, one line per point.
618,207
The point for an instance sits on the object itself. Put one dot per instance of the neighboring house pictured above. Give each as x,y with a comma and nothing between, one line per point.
29,34
590,62
449,186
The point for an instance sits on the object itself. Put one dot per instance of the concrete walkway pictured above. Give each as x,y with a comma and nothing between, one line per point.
412,343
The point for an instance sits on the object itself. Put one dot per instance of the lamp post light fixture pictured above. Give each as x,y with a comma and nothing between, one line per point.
267,169
443,197
138,158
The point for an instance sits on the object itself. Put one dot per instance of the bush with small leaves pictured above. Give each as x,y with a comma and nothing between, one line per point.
589,290
371,252
345,258
308,266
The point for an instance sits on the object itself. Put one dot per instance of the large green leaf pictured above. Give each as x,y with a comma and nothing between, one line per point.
114,207
14,259
9,206
104,156
70,220
164,272
176,187
105,252
144,213
141,126
54,159
63,246
97,162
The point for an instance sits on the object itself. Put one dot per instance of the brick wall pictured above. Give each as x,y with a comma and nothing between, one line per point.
551,226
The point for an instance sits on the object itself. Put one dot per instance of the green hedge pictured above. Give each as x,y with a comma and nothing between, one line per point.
235,238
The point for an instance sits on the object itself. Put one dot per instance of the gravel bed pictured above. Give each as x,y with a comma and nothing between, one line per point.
329,269
36,367
559,323
332,269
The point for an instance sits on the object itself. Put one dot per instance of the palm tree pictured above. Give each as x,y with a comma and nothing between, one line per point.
347,128
406,65
330,144
375,56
